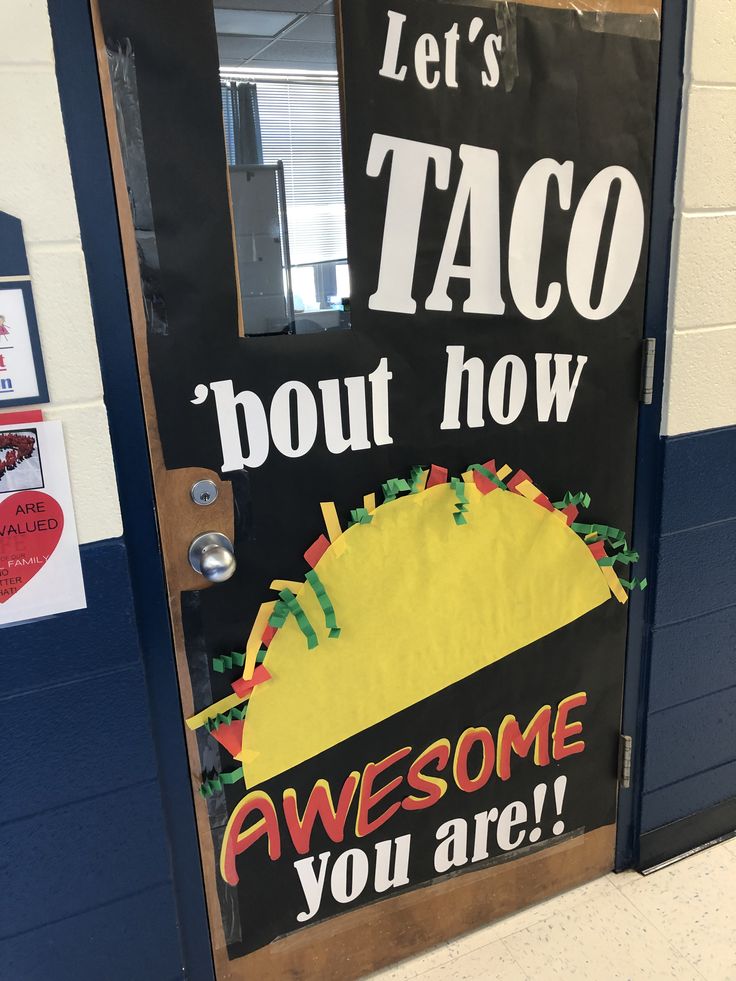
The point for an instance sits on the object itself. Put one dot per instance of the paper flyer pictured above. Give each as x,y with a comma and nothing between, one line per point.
40,569
18,374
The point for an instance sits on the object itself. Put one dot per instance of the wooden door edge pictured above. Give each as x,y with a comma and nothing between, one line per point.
170,486
353,944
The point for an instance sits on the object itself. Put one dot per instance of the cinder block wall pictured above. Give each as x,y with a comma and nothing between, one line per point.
87,889
691,731
36,186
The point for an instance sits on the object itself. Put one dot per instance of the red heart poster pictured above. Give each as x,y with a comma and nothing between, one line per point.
40,565
31,523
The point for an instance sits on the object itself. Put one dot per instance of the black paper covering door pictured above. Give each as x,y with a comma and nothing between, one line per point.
569,89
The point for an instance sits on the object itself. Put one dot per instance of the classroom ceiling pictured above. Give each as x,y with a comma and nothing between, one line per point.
288,34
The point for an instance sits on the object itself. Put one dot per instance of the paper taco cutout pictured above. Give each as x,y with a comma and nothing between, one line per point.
417,594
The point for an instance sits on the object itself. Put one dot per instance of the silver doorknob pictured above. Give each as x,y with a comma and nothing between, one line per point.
212,556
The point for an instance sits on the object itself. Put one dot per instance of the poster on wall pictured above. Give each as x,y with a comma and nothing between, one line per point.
40,571
22,376
416,671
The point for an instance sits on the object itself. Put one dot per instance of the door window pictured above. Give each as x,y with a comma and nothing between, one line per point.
281,114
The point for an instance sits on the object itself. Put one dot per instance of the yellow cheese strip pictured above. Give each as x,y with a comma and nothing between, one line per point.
332,522
504,472
254,639
527,489
224,705
468,477
291,584
369,502
612,579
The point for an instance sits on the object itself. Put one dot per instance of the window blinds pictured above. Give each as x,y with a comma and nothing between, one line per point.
300,125
228,120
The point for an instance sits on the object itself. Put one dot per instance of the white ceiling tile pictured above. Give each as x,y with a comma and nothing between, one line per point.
315,27
295,6
309,54
235,49
253,23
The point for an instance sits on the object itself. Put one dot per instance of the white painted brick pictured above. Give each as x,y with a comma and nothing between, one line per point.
36,186
60,292
710,149
714,41
25,33
702,380
705,288
35,183
91,470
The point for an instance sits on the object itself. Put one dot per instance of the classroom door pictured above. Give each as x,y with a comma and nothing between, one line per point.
395,515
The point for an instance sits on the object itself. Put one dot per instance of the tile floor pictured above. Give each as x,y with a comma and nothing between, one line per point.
678,923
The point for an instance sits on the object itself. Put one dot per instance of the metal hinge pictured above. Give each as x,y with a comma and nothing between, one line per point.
625,752
648,353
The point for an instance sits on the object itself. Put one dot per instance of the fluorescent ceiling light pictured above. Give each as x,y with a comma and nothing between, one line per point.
252,23
273,74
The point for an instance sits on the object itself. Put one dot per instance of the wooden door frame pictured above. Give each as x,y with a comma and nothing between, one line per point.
650,447
78,82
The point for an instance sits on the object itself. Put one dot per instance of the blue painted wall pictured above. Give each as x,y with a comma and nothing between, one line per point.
690,753
87,883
